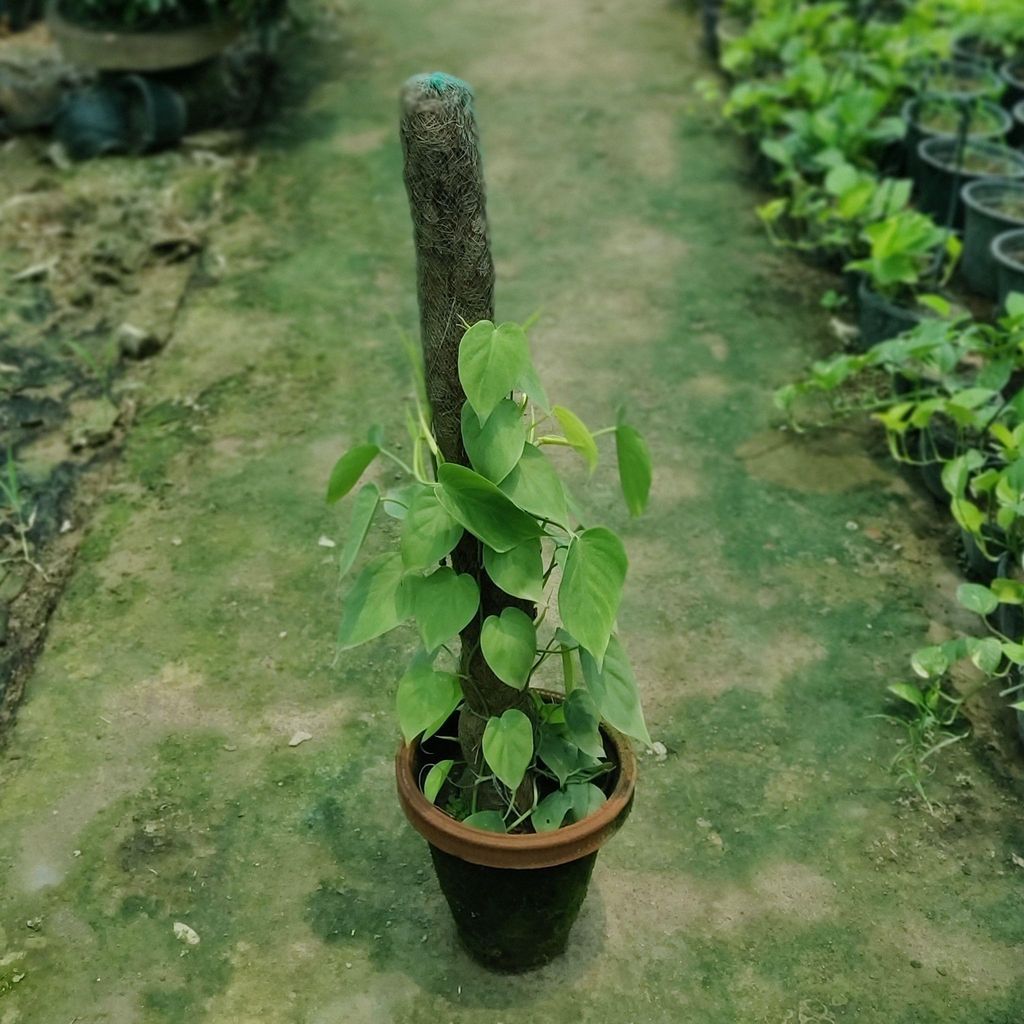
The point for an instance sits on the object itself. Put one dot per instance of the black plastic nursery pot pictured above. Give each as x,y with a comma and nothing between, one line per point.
1012,74
989,123
878,319
1016,135
1008,254
942,171
991,207
515,898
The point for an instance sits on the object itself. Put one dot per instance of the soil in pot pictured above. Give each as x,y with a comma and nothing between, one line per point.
942,170
933,116
961,79
991,207
1008,254
514,898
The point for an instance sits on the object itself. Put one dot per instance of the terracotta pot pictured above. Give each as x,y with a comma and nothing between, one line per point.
155,50
515,898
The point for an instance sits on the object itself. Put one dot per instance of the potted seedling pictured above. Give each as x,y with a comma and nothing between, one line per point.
514,786
945,164
149,35
929,117
909,257
961,80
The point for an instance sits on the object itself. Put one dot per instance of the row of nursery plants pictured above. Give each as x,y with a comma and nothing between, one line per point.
888,132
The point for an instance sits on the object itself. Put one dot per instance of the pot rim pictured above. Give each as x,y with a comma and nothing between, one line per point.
519,852
937,141
982,69
910,109
864,290
971,198
1006,71
996,249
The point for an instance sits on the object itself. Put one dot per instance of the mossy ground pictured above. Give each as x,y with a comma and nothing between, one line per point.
772,871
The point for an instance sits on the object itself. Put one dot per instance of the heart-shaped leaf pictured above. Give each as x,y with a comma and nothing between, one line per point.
614,691
518,571
508,746
348,469
509,645
426,697
489,821
429,532
976,598
634,468
551,811
591,588
535,487
373,606
491,362
586,798
443,604
494,448
436,778
363,508
583,722
577,434
484,510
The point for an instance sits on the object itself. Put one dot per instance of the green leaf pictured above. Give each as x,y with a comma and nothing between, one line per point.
908,692
976,598
426,697
986,653
583,722
1007,591
586,799
534,487
489,821
436,778
492,361
509,644
591,588
529,383
483,509
518,571
348,469
551,811
577,434
634,468
396,500
373,606
560,755
363,508
929,662
443,604
494,448
429,532
508,746
614,691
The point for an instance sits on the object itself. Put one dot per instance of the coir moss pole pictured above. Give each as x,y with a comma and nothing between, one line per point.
455,287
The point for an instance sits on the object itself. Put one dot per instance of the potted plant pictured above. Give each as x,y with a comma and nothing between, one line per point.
961,80
993,206
909,256
149,35
945,165
930,117
1008,253
543,783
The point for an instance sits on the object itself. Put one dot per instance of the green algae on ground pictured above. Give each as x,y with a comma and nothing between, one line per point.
771,871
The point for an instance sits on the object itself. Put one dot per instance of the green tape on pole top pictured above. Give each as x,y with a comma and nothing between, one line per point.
440,82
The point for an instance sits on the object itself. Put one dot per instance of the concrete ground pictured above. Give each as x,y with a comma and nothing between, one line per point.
772,871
